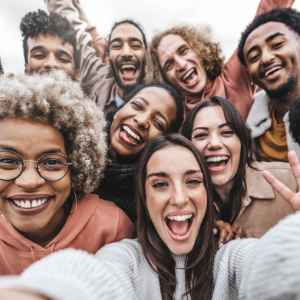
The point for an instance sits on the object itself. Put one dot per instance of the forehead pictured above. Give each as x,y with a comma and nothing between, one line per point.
172,160
159,100
126,31
169,45
22,134
260,34
209,117
50,43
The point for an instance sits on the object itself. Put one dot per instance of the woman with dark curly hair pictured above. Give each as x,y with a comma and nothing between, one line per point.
52,154
187,58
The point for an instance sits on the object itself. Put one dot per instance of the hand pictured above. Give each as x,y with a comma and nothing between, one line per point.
292,198
15,294
227,233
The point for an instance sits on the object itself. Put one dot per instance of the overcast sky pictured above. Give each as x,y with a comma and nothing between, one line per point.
227,18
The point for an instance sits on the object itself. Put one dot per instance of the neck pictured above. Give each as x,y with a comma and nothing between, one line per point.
283,105
45,235
121,92
223,193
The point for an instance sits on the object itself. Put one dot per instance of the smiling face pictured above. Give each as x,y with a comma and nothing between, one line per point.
219,145
272,56
176,197
46,52
181,65
127,55
30,141
148,114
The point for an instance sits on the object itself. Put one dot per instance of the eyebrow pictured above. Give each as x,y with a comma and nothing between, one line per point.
66,53
170,59
3,147
132,39
267,40
37,48
206,128
42,48
163,174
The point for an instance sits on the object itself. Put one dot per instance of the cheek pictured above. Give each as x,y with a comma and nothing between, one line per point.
200,145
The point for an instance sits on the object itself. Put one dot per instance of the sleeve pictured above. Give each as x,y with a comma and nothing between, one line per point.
125,229
93,71
73,274
99,43
234,74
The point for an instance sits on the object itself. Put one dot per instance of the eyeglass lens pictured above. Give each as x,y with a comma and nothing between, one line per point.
50,166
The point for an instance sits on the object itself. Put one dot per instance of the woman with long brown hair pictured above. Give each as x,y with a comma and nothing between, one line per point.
241,194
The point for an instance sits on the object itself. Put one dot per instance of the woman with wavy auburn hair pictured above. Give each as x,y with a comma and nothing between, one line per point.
52,154
187,58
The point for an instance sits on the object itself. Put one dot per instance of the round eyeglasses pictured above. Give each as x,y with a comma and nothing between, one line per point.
50,166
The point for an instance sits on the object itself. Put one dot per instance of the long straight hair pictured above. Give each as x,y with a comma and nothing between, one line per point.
231,209
199,262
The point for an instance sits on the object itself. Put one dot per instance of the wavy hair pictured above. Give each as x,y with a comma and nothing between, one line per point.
200,40
199,262
56,100
231,209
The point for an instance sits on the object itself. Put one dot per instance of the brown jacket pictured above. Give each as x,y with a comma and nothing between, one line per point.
263,207
96,77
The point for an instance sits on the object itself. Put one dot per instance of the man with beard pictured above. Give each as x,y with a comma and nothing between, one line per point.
107,84
270,49
49,42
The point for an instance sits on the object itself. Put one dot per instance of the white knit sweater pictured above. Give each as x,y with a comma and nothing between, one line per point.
247,269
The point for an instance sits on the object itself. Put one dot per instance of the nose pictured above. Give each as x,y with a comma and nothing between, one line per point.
126,50
51,62
30,178
180,63
179,197
267,57
214,142
142,120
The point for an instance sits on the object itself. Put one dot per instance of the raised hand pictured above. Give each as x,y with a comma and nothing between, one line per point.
292,198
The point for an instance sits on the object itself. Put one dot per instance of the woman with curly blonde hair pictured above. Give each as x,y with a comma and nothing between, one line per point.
187,58
52,154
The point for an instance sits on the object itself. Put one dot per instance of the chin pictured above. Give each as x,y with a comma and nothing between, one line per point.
181,249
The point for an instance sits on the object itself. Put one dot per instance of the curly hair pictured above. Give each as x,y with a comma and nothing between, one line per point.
288,16
200,40
294,118
56,100
35,23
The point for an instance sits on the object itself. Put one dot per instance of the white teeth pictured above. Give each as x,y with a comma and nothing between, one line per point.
216,158
29,204
272,70
129,131
128,67
188,74
180,218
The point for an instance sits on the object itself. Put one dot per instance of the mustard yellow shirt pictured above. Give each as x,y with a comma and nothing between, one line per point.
272,144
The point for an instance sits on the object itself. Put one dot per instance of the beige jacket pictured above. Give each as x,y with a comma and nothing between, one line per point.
263,207
96,78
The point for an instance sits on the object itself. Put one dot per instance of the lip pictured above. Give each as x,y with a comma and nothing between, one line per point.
29,211
274,75
180,213
189,233
127,142
129,78
219,169
194,82
29,197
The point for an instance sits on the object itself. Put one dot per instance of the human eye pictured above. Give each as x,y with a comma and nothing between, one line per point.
200,136
137,105
277,45
158,124
39,56
116,46
159,185
52,164
64,60
254,57
194,182
228,132
183,50
168,66
136,46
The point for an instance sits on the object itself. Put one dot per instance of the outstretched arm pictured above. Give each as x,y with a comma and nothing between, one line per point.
292,198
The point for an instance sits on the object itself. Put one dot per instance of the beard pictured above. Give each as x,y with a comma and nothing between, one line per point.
117,67
281,91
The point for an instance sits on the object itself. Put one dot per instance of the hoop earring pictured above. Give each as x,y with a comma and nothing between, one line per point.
75,204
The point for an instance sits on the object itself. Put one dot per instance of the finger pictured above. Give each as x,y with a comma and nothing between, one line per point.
295,166
230,235
285,192
239,233
223,236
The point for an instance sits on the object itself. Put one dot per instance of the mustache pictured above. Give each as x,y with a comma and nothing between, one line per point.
130,60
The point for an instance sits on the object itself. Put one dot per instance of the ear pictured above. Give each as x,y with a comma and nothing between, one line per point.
77,76
26,69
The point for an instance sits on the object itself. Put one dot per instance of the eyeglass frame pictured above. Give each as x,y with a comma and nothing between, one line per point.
36,166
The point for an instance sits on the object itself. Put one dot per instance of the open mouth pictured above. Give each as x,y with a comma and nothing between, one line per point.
127,135
272,71
190,77
128,70
180,226
217,163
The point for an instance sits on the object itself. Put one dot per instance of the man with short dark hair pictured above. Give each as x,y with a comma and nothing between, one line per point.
107,84
49,42
270,49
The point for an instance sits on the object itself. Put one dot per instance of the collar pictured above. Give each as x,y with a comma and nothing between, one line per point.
112,98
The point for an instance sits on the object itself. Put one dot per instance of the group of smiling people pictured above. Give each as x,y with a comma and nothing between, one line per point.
154,168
